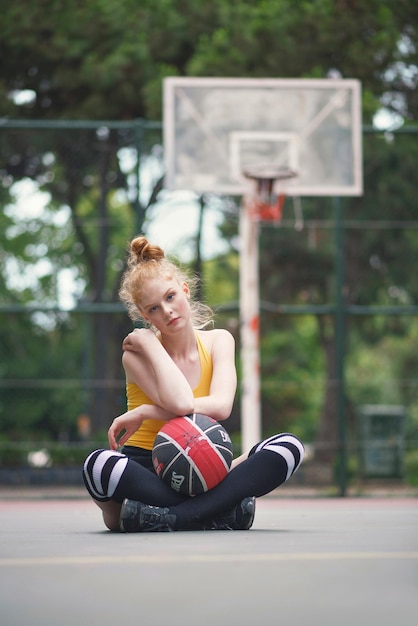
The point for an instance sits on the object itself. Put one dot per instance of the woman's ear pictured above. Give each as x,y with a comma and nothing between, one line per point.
186,290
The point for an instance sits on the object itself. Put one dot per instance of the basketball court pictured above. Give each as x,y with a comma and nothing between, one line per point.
312,560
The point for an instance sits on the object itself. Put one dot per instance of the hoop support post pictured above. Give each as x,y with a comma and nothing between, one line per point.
250,215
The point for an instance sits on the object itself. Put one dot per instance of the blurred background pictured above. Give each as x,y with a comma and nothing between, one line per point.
82,172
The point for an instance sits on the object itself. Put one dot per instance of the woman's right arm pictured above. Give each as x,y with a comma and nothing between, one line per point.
154,371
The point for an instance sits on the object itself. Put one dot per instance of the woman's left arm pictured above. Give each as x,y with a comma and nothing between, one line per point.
218,404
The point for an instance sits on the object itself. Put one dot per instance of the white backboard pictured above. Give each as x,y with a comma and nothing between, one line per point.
214,128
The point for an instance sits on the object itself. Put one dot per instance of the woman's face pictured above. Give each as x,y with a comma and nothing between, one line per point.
165,303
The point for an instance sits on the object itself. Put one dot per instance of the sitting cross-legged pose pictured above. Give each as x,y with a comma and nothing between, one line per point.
176,366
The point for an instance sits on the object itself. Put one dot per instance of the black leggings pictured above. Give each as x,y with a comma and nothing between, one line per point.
115,476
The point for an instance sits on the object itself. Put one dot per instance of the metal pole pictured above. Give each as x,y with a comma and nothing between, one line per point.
138,207
249,323
339,344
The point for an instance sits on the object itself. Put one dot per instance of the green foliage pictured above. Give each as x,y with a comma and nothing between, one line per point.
292,376
411,468
383,371
28,408
304,39
105,59
221,279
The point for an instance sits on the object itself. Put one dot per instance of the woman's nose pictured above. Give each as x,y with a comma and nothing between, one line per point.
166,309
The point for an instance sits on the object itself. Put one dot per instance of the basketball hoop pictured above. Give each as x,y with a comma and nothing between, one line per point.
268,205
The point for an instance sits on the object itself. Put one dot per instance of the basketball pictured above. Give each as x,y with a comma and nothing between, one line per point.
192,454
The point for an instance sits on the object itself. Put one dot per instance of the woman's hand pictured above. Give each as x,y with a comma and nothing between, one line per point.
139,339
124,427
128,423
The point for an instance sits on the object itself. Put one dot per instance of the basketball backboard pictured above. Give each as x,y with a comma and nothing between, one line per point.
215,128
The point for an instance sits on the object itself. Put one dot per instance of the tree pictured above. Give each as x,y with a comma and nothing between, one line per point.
106,60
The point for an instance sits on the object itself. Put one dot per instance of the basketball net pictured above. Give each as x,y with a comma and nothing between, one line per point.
267,205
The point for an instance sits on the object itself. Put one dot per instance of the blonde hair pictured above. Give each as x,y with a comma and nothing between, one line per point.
147,261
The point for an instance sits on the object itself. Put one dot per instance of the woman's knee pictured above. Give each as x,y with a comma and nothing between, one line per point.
285,445
102,471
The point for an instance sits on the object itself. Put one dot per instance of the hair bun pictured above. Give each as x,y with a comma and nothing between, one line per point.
143,252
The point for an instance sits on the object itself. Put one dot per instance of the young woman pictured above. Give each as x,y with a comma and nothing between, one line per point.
176,367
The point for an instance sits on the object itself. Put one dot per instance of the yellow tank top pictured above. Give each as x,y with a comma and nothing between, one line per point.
145,435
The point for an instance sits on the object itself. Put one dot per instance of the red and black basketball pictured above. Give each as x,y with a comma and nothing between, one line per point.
192,454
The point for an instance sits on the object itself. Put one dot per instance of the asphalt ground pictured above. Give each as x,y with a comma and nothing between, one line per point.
306,560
